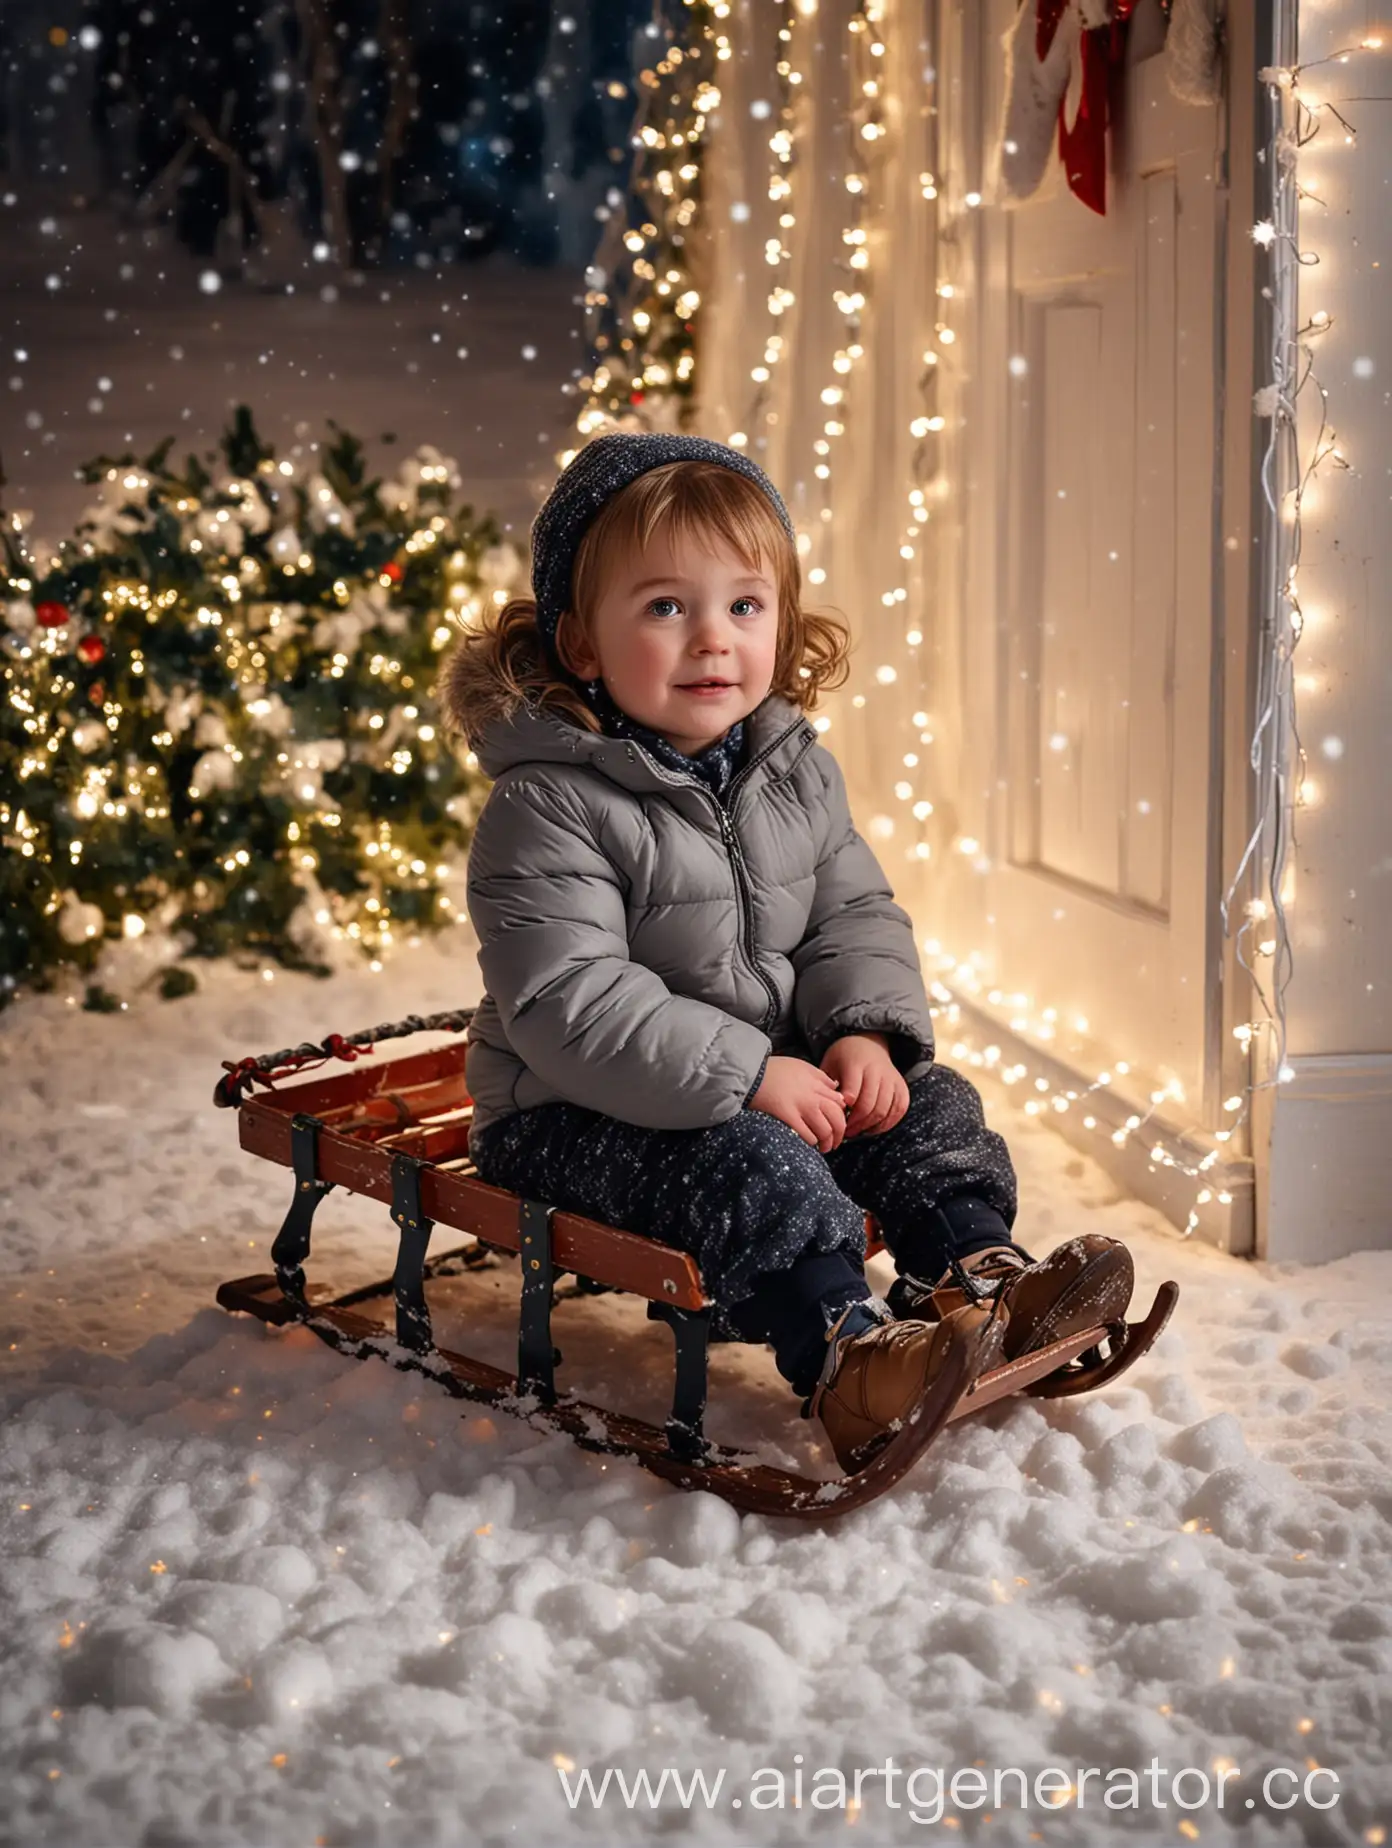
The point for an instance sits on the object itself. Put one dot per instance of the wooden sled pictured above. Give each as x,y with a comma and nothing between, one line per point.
399,1132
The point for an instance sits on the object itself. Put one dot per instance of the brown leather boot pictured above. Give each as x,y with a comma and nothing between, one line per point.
871,1381
1085,1283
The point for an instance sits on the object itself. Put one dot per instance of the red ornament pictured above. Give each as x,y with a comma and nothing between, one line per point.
393,571
91,649
52,615
96,693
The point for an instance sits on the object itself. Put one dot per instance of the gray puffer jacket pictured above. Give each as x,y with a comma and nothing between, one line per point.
646,945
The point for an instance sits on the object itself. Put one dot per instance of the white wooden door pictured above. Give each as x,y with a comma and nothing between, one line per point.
1105,866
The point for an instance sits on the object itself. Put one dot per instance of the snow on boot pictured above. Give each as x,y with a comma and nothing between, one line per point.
871,1381
1085,1283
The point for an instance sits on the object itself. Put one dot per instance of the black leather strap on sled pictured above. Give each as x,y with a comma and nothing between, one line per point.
408,1284
536,1355
291,1246
691,1332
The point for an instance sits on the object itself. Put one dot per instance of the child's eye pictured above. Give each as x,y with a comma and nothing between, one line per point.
657,600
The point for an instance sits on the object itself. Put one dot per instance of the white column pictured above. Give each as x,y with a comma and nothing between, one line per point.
1330,1169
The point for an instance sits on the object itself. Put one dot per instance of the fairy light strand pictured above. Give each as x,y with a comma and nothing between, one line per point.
783,145
642,309
1276,754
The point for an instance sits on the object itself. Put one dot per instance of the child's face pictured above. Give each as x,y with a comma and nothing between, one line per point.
676,616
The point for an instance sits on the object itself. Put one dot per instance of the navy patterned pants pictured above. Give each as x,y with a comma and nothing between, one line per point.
748,1198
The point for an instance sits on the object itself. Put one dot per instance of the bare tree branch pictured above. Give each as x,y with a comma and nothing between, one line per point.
326,119
396,39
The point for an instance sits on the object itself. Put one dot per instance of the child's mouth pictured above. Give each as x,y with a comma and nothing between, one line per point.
707,686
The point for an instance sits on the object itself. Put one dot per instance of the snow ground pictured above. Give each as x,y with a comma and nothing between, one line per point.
258,1593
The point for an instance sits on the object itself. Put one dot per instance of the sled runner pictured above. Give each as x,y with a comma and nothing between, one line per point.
399,1132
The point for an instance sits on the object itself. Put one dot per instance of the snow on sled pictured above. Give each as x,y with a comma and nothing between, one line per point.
398,1132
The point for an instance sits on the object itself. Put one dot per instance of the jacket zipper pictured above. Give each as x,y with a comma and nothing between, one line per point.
737,862
742,886
742,880
754,763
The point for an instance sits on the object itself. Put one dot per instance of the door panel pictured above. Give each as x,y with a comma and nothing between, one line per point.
1149,809
1102,893
1076,727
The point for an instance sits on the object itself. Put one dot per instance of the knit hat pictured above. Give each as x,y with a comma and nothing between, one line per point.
604,466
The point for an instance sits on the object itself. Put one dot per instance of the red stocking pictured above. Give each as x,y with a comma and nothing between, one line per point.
1083,147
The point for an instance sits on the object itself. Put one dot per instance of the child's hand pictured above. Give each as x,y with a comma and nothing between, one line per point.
807,1100
871,1085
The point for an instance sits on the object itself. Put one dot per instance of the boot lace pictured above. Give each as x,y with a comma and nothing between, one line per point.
987,1284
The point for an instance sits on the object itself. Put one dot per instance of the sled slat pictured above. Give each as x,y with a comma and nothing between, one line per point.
334,1087
604,1253
399,1105
437,1142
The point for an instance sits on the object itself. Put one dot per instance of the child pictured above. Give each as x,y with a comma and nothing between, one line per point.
705,1020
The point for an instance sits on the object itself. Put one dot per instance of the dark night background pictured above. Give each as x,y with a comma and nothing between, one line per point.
452,127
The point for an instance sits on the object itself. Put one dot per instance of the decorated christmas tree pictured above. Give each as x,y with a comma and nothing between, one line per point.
217,720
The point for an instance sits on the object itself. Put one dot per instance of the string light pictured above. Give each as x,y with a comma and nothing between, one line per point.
1277,756
783,145
641,305
868,58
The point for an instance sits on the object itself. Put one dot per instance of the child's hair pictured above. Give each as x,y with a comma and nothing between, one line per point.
491,669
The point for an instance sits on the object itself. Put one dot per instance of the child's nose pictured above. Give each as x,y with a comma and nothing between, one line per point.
713,628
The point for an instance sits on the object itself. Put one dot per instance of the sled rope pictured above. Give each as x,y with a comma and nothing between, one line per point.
266,1067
